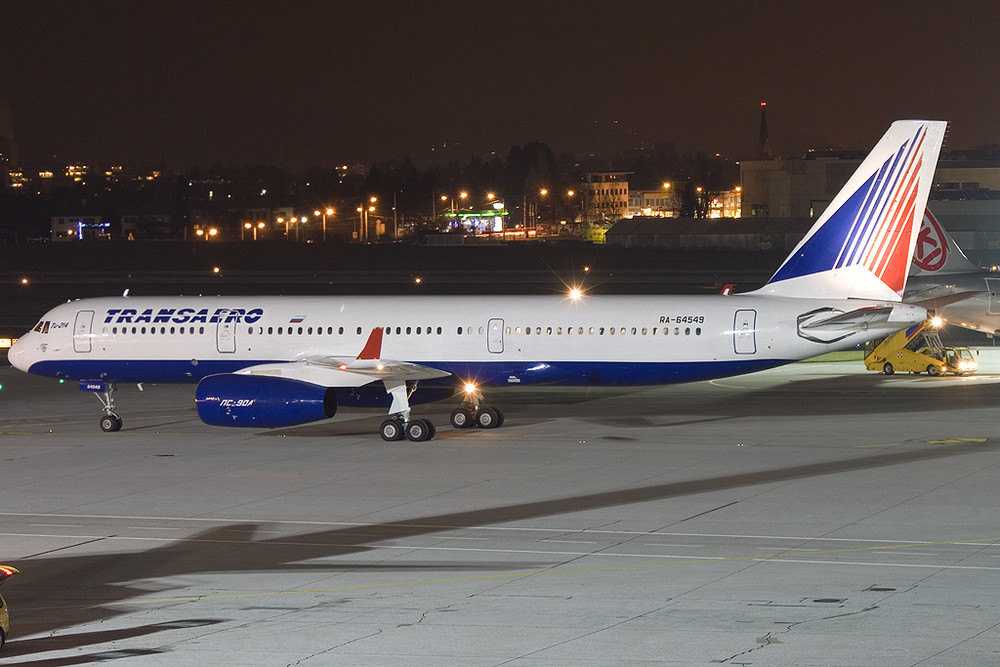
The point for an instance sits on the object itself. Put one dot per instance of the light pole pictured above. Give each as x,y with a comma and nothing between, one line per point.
328,211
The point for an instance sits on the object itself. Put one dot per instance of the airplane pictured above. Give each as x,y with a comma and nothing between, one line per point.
270,362
944,280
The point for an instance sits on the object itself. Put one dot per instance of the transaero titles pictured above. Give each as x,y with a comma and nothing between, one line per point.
182,315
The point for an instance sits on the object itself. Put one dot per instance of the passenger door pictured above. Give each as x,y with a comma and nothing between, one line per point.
83,330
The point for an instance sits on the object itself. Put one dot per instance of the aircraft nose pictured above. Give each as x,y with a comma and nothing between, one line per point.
17,355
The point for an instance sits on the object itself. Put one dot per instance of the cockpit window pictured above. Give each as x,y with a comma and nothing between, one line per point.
42,327
45,328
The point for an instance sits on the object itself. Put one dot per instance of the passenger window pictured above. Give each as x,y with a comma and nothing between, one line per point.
517,331
281,330
527,331
559,331
687,331
418,330
548,331
538,331
644,331
697,332
460,331
579,330
408,331
508,331
439,330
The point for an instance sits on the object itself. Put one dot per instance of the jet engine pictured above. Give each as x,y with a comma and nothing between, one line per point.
257,401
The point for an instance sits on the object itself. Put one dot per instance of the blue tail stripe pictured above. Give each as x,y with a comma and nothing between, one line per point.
820,252
863,227
888,175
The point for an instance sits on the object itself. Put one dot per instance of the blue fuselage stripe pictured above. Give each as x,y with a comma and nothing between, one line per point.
483,373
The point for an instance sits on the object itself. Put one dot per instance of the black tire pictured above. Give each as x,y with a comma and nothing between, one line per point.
111,423
3,639
933,370
463,418
488,418
888,369
391,430
499,417
419,430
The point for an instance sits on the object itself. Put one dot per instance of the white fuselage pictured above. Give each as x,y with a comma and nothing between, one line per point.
490,339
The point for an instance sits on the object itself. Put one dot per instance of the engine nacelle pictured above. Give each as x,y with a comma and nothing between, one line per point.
260,401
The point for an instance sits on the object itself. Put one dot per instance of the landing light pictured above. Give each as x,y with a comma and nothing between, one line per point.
575,293
937,322
470,388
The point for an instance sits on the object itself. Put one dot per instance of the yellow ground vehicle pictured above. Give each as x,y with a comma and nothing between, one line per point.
918,350
5,571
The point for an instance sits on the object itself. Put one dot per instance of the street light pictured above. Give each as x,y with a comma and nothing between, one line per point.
328,211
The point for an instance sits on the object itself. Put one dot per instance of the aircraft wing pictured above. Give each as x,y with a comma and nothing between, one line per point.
333,371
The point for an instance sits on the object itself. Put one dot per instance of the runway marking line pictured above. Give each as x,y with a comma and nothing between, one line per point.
779,558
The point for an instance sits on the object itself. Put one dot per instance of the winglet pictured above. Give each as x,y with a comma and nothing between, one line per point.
373,348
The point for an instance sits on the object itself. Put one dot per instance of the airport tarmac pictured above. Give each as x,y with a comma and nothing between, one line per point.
817,514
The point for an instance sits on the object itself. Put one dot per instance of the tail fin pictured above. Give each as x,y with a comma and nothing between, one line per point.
936,252
861,245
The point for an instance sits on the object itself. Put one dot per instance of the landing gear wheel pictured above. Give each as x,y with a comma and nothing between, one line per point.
933,370
463,418
419,430
111,423
392,429
888,369
489,418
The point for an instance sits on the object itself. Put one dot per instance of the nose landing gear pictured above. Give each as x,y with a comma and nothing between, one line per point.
110,422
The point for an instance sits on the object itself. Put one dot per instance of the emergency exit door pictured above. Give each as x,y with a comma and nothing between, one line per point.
744,336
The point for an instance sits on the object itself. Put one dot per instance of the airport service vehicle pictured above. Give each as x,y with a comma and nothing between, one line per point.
918,349
6,571
269,362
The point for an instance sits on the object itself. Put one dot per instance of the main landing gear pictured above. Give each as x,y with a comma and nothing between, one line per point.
471,413
110,422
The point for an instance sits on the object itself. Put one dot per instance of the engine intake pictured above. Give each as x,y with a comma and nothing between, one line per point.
258,401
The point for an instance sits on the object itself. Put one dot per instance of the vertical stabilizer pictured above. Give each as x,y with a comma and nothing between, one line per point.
861,246
936,253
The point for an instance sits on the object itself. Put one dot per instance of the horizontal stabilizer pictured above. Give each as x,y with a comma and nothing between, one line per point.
826,325
932,301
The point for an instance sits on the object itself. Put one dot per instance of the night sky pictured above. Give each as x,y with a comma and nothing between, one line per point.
299,83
